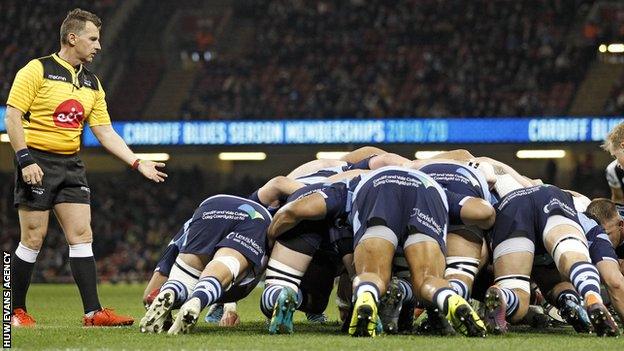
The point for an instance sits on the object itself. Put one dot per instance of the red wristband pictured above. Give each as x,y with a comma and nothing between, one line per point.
135,164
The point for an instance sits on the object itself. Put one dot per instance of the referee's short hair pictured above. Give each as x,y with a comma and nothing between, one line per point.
76,21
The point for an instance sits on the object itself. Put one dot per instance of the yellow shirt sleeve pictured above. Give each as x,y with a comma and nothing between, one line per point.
99,114
27,82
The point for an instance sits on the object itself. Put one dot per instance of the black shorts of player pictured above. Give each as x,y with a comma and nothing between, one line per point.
318,281
525,212
64,180
306,237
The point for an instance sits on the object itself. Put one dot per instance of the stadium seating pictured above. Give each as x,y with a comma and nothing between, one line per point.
398,58
30,30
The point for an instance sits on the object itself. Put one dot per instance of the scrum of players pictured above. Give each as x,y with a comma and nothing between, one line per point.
456,244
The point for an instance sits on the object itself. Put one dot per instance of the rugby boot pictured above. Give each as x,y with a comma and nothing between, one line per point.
433,322
21,319
495,311
575,315
282,318
555,316
463,318
106,317
536,318
406,317
187,317
215,312
158,317
390,307
601,319
319,318
364,321
230,316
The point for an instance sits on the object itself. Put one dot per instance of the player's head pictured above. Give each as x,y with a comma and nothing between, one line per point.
80,31
614,143
605,211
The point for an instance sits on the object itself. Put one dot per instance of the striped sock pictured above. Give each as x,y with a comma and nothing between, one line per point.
512,300
566,295
586,279
208,290
406,290
440,298
460,287
269,299
180,294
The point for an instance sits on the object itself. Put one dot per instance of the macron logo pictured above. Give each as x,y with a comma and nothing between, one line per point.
57,77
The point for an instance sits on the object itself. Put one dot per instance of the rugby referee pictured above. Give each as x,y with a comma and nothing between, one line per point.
50,100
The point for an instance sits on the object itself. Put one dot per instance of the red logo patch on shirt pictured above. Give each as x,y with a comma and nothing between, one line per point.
69,114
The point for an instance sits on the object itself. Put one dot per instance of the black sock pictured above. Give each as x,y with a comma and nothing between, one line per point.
83,270
21,271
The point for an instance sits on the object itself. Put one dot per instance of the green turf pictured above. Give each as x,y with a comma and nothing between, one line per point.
57,310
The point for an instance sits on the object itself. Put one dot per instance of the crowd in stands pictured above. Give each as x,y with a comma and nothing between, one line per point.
30,29
355,58
615,103
132,221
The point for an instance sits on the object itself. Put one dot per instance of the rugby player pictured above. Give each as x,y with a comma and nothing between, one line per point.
221,246
533,221
416,209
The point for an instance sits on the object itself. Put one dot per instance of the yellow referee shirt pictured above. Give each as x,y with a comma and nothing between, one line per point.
56,100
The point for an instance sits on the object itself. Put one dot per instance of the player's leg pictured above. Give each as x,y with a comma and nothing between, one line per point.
282,294
464,248
217,276
565,242
373,265
162,270
427,264
508,299
75,220
318,283
33,229
183,277
570,306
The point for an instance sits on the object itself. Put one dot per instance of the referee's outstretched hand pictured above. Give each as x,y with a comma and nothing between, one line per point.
32,174
150,171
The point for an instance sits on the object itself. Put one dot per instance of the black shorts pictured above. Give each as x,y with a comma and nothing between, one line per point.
64,180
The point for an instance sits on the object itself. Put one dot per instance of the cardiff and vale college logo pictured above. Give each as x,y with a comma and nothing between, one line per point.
253,214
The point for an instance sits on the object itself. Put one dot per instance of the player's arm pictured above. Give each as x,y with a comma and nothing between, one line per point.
114,144
23,92
457,155
311,207
31,172
358,155
418,164
276,189
614,281
502,169
388,159
477,212
346,175
313,166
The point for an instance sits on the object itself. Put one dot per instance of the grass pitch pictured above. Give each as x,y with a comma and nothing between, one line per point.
58,312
